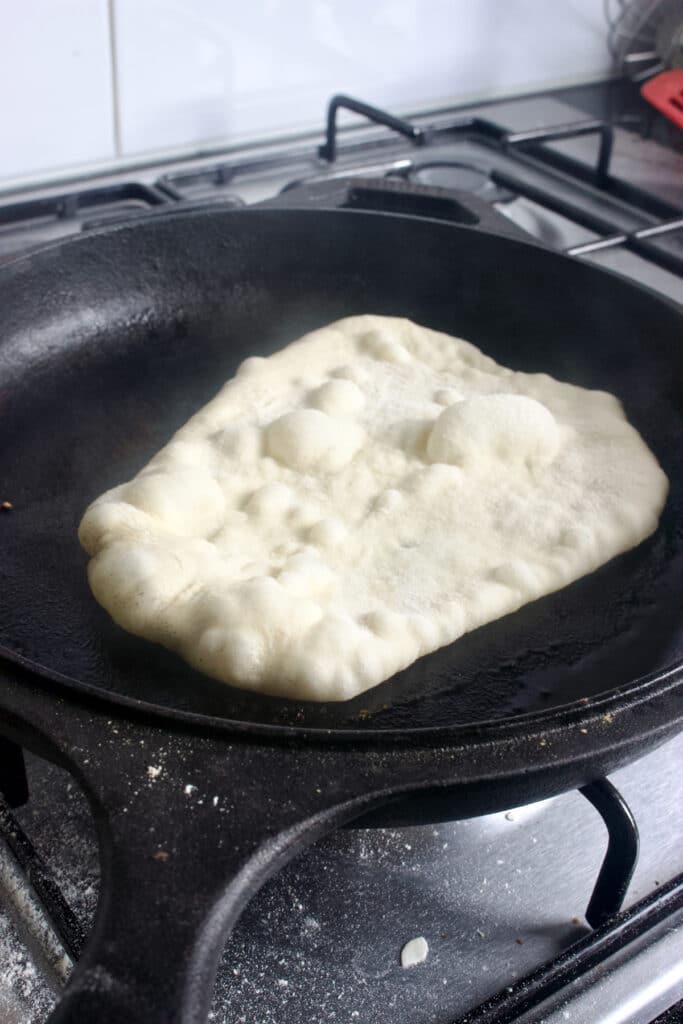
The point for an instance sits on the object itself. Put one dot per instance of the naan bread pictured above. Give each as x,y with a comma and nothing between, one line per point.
360,498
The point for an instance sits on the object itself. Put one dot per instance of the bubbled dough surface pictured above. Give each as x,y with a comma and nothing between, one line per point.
360,498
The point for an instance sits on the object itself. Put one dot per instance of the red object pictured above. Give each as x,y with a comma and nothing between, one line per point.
665,92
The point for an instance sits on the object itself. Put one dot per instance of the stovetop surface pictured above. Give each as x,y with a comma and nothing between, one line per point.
494,897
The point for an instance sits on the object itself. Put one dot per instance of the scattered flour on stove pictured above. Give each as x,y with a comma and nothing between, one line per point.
25,995
362,497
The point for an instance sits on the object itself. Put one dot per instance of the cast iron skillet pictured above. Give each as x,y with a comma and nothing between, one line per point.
107,344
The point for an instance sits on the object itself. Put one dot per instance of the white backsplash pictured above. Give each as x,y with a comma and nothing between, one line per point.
56,103
88,80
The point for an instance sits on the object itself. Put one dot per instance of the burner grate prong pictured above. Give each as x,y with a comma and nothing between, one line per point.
573,131
38,876
328,150
13,780
621,858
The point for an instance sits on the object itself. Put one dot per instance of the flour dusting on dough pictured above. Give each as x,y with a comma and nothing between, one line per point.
361,498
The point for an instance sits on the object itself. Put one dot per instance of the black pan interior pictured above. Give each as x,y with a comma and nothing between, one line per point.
109,343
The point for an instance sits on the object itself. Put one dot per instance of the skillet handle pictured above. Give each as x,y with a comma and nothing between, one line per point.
395,195
191,822
190,828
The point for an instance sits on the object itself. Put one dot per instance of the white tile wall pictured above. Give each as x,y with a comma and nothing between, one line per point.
193,71
56,105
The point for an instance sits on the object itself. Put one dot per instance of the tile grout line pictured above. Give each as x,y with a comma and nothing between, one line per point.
114,77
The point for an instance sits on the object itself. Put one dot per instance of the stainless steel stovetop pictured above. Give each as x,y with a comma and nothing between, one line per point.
497,897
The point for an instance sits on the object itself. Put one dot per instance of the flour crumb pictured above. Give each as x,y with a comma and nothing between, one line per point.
153,772
414,952
189,789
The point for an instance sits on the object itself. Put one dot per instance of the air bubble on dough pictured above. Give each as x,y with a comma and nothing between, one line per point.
303,515
338,398
328,532
272,500
193,454
353,372
447,396
306,575
389,500
241,651
314,549
518,575
384,623
381,346
307,439
139,580
251,365
188,501
243,442
511,428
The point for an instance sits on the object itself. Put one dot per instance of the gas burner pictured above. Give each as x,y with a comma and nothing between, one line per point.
461,176
543,224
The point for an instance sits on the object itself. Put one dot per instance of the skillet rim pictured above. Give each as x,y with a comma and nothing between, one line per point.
655,686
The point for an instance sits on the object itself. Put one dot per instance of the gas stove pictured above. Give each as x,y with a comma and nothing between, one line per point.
516,926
